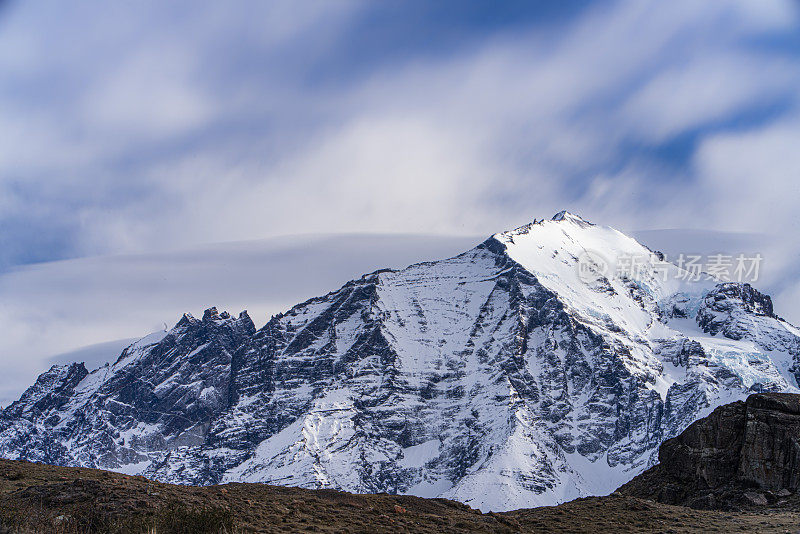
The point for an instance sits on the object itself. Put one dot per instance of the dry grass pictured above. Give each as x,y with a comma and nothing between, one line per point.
39,498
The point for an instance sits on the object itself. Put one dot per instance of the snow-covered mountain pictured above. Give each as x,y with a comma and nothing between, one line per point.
508,376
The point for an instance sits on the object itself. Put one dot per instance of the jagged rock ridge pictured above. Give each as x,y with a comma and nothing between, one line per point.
502,377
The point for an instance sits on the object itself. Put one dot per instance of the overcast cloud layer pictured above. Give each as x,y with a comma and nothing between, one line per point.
142,128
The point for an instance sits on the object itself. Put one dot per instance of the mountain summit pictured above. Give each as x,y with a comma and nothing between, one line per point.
527,371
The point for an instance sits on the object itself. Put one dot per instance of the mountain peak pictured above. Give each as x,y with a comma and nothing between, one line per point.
565,215
561,216
212,314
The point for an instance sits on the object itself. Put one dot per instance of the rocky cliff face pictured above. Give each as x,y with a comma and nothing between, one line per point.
504,377
770,456
744,453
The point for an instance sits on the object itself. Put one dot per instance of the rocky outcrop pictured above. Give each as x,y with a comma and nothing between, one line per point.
729,302
770,454
744,453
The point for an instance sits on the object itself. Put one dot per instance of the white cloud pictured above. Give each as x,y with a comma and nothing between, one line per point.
750,178
705,90
127,102
512,127
440,144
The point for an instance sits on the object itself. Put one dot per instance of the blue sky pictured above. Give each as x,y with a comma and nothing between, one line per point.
146,129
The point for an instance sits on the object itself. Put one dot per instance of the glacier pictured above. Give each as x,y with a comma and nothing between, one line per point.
503,378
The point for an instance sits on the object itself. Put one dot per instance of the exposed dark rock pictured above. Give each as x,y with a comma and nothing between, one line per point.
744,453
723,307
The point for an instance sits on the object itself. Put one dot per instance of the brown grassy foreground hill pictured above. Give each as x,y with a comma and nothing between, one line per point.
41,498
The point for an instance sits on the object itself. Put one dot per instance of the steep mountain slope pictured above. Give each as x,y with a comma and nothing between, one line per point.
509,376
